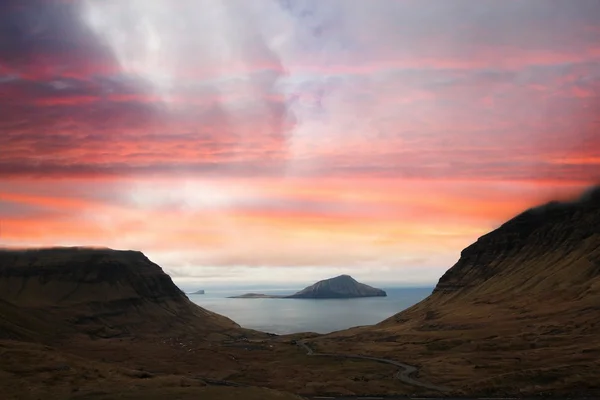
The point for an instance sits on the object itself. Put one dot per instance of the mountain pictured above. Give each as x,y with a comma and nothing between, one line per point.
87,323
516,315
343,286
340,287
201,291
559,242
99,292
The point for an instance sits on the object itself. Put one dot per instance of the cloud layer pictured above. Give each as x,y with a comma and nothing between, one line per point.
307,134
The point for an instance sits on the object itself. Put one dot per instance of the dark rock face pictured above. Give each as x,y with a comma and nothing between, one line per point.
101,292
121,274
550,233
343,286
528,291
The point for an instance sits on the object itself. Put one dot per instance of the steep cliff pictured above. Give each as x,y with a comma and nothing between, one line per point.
343,286
555,247
517,314
101,292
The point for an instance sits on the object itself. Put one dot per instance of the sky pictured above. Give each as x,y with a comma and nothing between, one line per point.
270,141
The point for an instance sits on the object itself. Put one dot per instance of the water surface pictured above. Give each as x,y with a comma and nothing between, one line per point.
283,316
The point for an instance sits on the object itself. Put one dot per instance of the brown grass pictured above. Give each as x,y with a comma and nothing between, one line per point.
517,315
531,327
31,371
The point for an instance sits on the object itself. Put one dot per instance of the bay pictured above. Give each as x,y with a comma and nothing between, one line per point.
285,316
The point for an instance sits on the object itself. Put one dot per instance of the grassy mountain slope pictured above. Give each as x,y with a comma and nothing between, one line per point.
99,292
519,313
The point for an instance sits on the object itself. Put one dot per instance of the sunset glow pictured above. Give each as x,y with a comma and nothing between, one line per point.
286,141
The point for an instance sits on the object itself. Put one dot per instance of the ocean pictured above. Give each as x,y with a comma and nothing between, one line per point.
285,316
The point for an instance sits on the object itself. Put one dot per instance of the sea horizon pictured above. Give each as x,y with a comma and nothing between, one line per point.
189,288
289,316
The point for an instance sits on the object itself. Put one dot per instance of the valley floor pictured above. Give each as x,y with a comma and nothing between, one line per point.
84,369
486,349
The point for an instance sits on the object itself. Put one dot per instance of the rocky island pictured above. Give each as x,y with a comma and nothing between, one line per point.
201,291
340,287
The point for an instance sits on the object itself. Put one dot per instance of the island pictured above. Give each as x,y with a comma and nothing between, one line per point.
198,292
340,287
256,296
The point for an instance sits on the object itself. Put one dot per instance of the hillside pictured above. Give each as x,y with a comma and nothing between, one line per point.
559,243
517,314
78,322
343,286
99,292
31,371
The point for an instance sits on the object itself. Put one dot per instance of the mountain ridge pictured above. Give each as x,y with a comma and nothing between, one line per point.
516,315
554,224
100,292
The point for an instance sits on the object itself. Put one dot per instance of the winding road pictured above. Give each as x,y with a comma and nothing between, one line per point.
402,375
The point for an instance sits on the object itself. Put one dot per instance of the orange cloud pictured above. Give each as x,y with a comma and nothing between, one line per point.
392,135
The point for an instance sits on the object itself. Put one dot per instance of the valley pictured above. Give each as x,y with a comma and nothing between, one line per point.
516,316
